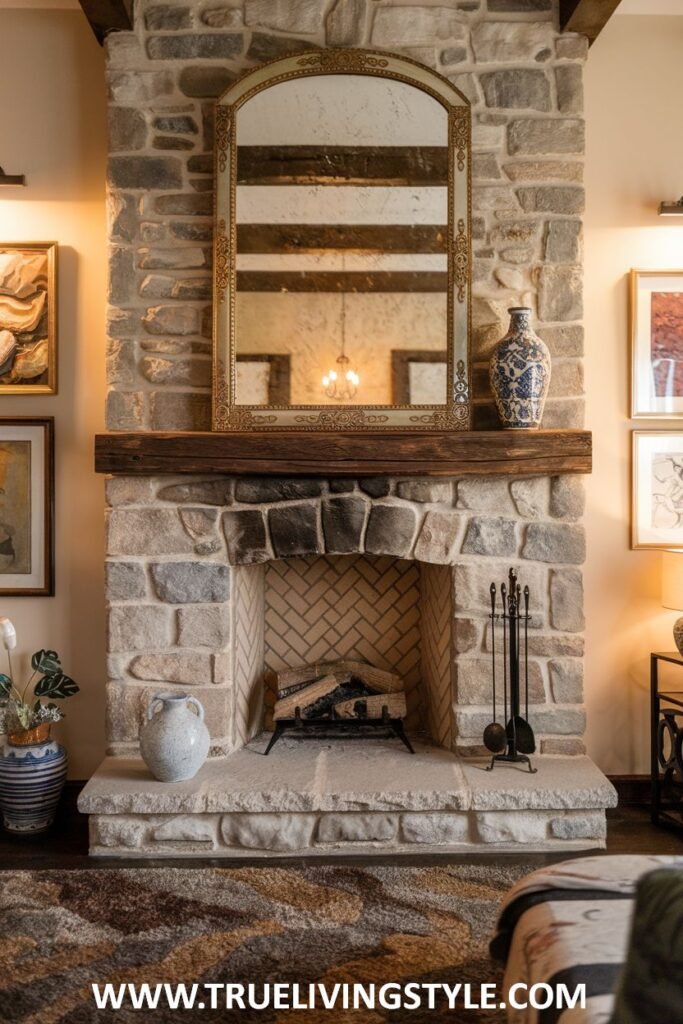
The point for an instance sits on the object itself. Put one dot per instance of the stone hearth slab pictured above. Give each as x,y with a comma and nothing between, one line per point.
561,783
314,797
310,775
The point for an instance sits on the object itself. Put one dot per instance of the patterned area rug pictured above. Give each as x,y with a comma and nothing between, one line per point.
61,931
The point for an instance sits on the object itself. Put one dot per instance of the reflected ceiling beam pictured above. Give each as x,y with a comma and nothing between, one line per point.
588,17
363,238
107,16
343,165
341,282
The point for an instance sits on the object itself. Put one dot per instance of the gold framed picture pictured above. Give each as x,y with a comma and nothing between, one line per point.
26,506
657,489
656,326
28,318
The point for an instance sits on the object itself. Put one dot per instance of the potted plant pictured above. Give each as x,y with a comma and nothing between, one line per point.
32,766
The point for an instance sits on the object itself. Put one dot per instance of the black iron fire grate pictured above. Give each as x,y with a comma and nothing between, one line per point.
339,728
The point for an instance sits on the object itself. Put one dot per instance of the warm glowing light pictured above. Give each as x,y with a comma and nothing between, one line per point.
348,379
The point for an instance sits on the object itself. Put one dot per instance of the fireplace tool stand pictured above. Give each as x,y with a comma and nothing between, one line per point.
512,743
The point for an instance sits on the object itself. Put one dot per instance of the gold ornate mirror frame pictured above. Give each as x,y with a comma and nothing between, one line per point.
454,414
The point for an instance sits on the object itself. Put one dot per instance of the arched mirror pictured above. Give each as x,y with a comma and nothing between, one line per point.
342,247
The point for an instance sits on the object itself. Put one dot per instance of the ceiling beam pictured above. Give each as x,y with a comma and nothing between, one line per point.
588,17
108,16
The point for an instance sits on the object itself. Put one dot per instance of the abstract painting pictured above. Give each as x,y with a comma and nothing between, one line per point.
657,343
26,504
28,318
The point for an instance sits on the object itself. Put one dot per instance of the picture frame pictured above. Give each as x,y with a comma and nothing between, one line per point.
403,364
657,490
656,331
278,375
26,506
28,318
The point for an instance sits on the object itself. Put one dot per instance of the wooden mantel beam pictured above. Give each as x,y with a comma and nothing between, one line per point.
108,16
588,17
386,453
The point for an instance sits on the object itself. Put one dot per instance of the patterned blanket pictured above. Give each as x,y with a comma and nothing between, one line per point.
569,923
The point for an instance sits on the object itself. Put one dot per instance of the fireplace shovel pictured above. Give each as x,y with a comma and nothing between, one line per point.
494,734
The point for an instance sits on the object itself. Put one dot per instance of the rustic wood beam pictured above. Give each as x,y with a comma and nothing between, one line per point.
343,165
107,16
303,238
390,453
587,17
341,281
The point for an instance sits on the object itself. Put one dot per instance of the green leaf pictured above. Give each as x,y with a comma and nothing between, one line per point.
5,685
25,715
56,684
45,661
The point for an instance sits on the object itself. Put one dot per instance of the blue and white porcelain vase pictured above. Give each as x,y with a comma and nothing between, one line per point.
32,777
519,372
174,741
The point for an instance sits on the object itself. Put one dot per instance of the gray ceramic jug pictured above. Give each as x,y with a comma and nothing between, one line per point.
174,741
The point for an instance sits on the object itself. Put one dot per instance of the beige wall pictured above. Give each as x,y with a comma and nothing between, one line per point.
52,128
634,84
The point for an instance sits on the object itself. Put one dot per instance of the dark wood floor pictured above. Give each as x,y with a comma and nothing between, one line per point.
66,845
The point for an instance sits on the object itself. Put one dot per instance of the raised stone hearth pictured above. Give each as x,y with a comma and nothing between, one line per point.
316,797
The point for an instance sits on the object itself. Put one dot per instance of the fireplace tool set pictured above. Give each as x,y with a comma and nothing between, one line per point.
512,742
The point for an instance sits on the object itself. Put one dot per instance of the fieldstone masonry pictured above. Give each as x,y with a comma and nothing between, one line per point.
179,549
524,81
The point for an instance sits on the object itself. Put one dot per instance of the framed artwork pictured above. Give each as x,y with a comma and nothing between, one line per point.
417,374
262,379
28,318
656,316
26,506
657,494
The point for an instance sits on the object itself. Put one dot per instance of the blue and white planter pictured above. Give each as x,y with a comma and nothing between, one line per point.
31,783
519,372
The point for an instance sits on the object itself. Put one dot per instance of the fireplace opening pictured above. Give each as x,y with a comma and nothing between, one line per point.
389,613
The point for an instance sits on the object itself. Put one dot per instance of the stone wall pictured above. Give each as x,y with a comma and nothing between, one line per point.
525,84
183,613
177,547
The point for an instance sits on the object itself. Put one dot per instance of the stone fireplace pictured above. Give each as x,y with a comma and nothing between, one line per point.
212,580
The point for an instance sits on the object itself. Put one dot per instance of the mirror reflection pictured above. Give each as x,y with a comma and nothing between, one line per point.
342,228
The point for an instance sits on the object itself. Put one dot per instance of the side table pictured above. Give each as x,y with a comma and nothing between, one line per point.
666,745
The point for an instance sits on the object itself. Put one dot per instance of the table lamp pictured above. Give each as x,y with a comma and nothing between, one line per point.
672,591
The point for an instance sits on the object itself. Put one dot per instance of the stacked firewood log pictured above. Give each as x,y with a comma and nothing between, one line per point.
337,689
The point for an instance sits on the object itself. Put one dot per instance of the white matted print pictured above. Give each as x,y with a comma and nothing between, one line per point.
26,506
657,343
657,513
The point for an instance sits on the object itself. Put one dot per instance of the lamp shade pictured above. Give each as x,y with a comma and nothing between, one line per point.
672,580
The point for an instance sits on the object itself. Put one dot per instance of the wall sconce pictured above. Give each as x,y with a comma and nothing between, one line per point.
671,209
11,179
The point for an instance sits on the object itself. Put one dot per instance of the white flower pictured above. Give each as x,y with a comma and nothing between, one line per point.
8,633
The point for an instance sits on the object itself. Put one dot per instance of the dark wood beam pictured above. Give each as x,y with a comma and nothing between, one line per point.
107,16
341,281
587,17
390,453
300,238
343,165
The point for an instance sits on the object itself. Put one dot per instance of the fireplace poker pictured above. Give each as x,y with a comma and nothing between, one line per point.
494,733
